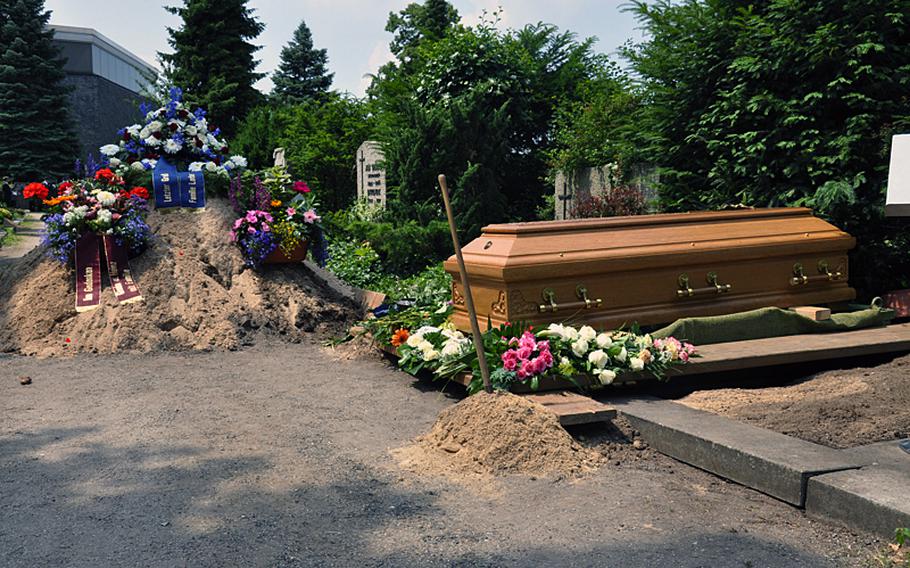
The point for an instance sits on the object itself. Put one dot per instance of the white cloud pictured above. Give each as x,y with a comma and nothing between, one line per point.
379,56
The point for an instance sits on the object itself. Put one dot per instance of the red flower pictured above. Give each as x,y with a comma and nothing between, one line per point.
301,187
173,126
38,190
64,187
104,174
140,192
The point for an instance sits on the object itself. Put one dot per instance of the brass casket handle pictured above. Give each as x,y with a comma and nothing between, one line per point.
714,286
550,304
824,274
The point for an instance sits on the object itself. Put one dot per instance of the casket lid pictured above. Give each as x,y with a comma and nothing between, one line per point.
585,246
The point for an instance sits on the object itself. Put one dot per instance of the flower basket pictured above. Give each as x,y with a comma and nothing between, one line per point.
298,254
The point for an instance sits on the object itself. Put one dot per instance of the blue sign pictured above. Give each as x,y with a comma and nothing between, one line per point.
177,189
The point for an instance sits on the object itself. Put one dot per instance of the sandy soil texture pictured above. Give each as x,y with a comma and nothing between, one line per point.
198,295
279,455
838,408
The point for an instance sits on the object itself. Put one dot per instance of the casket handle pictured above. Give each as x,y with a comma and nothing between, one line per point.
582,292
549,297
824,274
686,291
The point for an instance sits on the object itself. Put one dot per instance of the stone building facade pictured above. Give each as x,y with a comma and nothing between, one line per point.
578,185
371,183
105,82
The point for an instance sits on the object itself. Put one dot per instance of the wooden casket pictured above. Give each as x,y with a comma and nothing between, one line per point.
652,269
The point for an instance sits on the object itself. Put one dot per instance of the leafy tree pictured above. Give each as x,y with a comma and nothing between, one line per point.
786,102
302,73
320,139
420,23
478,105
213,58
36,136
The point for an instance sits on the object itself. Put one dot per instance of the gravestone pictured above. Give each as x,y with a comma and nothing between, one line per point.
897,203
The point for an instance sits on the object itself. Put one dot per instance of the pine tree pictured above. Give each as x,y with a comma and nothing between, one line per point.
302,74
36,136
213,58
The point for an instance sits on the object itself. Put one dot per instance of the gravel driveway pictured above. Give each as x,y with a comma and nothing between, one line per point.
279,456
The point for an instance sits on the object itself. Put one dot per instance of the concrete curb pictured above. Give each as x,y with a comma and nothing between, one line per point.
758,458
865,487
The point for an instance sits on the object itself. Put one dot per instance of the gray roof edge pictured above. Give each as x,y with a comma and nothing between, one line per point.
94,37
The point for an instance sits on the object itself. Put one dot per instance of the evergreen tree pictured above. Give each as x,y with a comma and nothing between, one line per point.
36,136
302,73
213,58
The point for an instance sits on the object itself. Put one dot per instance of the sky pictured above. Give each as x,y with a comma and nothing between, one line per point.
353,31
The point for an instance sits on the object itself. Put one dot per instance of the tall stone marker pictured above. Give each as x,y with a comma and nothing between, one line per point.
898,201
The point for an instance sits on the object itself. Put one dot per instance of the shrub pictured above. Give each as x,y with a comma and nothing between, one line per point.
622,200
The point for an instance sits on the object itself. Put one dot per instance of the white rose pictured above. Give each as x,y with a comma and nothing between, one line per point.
134,130
414,340
622,355
587,333
190,130
606,376
604,341
452,348
114,163
104,217
154,126
239,161
598,358
579,347
211,166
569,333
137,166
636,364
109,149
106,198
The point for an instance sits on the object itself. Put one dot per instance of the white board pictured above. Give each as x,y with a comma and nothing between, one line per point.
898,201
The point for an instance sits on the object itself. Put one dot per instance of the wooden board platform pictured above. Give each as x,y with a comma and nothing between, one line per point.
573,408
773,351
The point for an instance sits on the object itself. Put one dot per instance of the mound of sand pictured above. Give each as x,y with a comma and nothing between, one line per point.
837,408
198,295
497,434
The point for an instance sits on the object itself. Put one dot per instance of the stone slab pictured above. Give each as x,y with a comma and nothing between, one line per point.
875,498
769,462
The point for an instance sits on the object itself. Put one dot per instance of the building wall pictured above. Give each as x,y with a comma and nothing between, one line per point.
576,186
371,182
99,108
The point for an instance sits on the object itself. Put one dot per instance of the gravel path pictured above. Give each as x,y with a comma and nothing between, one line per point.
279,456
28,236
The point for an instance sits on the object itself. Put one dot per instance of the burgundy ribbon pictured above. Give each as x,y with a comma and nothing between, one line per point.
118,268
88,273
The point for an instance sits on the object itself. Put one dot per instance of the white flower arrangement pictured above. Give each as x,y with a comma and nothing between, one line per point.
175,133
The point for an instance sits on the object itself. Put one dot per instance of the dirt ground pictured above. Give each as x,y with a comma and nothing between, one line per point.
280,455
840,408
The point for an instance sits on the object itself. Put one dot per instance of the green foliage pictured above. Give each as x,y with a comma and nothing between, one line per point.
477,104
301,74
357,264
213,58
36,137
781,103
320,139
404,248
432,286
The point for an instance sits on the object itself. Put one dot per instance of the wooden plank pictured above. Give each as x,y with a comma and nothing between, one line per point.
774,351
572,408
813,312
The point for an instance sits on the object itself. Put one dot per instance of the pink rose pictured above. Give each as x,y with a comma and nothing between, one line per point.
683,356
524,352
237,223
530,367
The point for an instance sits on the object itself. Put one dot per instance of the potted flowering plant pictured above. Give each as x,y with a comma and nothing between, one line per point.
103,205
283,208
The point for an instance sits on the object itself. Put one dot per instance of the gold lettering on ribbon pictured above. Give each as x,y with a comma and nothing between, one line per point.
166,186
192,181
88,279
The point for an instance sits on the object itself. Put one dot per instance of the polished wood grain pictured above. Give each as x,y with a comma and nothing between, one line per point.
633,265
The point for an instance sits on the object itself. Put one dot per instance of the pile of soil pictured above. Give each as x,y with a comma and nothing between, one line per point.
198,295
498,434
840,409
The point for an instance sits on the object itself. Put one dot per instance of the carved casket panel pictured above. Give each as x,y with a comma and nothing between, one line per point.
653,269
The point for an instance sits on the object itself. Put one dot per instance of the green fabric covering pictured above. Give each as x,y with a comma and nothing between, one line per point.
767,322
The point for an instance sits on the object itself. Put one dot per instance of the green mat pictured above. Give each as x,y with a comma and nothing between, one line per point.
768,322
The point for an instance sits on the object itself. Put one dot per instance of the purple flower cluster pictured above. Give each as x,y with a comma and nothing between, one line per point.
59,239
132,230
256,247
